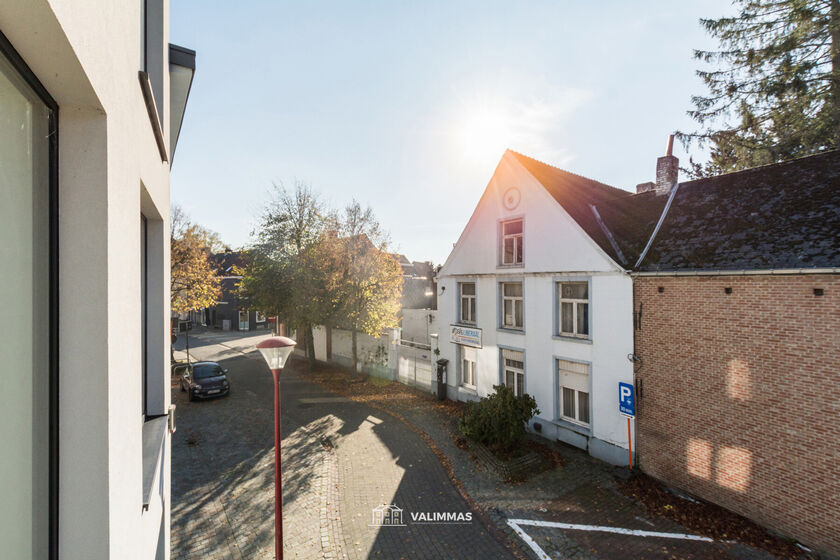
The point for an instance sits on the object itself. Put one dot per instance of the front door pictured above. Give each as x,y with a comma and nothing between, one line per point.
243,320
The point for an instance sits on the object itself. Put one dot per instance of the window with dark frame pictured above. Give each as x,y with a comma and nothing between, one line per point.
514,369
29,161
573,380
512,242
573,312
512,302
467,295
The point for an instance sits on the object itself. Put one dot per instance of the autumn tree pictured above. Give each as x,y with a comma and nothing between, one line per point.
367,278
286,274
773,85
313,266
194,284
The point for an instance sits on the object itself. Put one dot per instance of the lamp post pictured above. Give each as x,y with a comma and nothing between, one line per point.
276,351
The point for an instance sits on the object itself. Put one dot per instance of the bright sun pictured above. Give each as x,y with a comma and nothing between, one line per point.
484,134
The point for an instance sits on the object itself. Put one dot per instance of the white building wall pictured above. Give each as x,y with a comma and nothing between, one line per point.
555,249
418,324
319,340
87,55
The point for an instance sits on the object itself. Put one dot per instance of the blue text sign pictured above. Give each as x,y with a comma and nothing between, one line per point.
626,400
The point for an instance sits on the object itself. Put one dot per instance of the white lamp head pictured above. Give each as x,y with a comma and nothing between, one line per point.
276,351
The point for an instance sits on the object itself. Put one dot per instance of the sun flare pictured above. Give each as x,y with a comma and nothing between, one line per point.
484,134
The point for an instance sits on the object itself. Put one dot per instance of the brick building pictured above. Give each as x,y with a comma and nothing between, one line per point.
232,311
737,341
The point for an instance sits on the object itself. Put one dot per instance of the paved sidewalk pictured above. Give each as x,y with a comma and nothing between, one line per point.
341,459
583,492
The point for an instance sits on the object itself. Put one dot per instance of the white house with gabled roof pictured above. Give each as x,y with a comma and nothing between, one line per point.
536,295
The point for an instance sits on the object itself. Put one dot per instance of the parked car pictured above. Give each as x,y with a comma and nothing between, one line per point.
202,380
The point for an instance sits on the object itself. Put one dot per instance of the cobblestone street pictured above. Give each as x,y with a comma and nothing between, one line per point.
341,459
344,455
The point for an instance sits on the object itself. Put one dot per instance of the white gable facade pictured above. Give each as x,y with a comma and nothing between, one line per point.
549,315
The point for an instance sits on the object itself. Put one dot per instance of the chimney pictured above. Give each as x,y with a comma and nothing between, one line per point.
667,169
645,187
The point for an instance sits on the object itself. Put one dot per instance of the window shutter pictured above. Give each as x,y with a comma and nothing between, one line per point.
573,375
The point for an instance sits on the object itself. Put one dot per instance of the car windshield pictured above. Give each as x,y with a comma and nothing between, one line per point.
204,371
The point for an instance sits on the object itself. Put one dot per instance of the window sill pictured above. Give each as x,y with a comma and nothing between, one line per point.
154,434
518,265
571,426
572,339
465,324
468,389
511,330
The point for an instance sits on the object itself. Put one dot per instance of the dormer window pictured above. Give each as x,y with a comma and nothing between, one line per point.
512,242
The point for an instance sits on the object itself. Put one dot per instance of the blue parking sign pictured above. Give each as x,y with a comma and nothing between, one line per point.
626,400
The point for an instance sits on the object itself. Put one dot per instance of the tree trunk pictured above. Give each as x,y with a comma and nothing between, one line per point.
355,352
329,343
834,29
310,346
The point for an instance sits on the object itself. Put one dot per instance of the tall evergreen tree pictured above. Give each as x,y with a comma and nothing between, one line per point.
774,89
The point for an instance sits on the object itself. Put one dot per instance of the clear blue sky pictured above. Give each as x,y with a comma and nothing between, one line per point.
408,106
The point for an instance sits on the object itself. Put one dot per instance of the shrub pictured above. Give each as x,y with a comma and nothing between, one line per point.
498,420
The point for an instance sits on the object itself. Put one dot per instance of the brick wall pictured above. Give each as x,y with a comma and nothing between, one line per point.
740,396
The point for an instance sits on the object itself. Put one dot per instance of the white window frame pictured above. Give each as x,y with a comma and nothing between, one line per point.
517,371
513,300
575,377
518,253
472,307
575,302
259,317
469,367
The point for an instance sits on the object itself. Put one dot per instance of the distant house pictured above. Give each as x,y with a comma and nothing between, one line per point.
233,312
737,342
418,284
418,313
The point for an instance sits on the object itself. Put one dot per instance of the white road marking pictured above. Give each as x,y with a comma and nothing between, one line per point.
528,540
516,523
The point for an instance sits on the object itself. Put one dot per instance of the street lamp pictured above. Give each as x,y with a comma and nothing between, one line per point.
276,351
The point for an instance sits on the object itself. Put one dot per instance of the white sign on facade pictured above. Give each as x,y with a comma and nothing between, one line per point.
466,336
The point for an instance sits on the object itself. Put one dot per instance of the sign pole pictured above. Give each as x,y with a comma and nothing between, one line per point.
629,445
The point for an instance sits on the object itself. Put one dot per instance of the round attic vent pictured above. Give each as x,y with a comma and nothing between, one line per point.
511,198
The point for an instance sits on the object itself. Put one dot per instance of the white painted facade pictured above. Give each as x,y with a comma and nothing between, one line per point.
416,325
555,249
87,55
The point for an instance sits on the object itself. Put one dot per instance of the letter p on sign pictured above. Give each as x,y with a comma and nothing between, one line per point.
626,402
